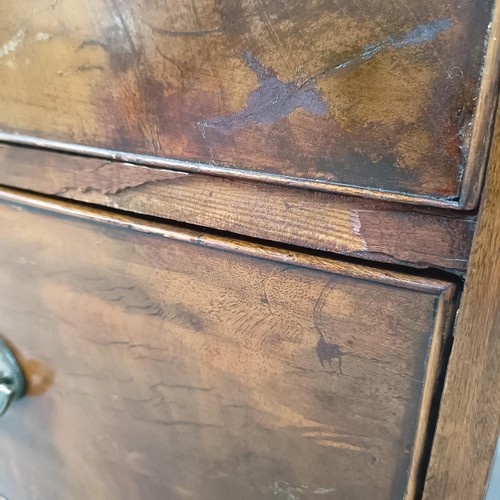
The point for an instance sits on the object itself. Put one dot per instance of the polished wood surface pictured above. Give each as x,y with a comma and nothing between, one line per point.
368,229
174,365
381,98
469,421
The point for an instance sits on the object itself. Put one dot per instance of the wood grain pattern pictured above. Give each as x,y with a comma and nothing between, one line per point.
350,226
379,97
181,366
469,421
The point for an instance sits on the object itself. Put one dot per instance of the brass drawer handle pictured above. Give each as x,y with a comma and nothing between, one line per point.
12,381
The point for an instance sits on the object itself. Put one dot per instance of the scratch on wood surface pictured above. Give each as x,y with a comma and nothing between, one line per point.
287,491
214,31
422,34
356,229
343,446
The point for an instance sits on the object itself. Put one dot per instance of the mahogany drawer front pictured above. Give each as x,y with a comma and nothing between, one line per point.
380,98
168,364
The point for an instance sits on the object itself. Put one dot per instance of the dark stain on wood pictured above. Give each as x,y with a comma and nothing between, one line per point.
328,352
383,173
271,101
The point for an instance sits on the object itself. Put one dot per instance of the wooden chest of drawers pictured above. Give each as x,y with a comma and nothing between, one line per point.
184,366
233,237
